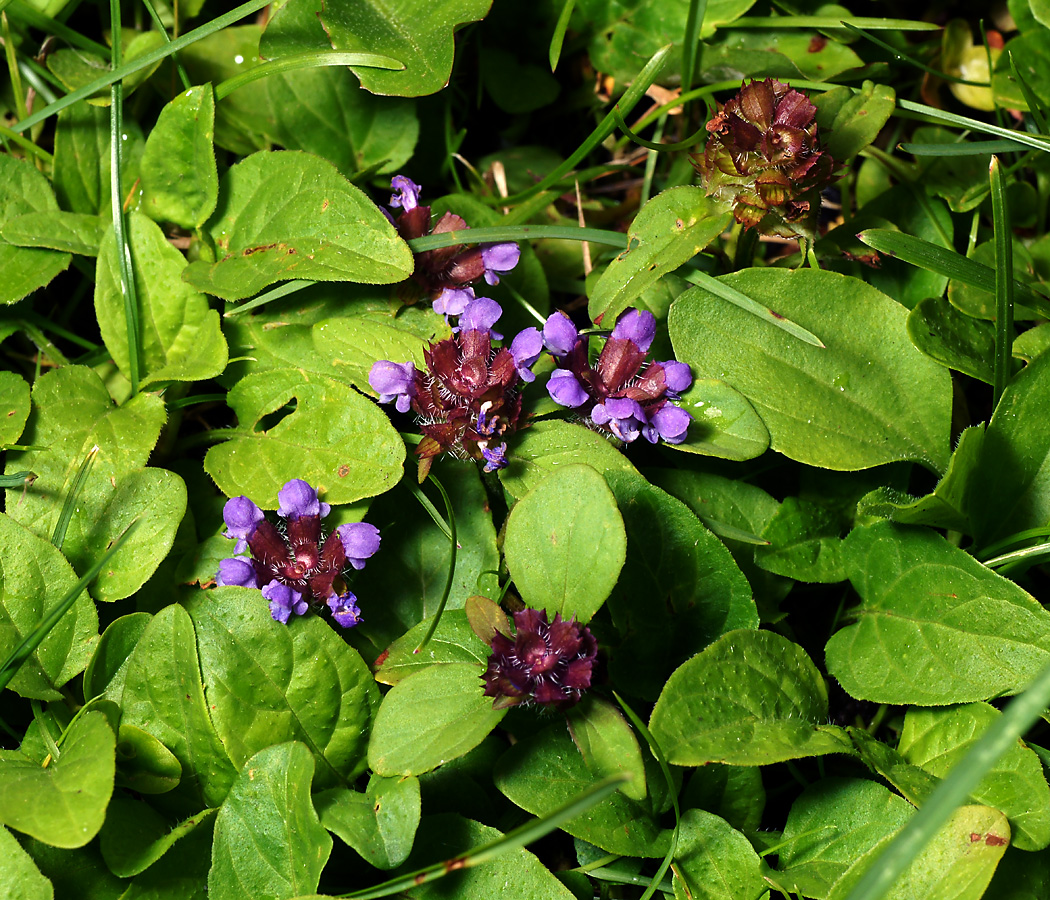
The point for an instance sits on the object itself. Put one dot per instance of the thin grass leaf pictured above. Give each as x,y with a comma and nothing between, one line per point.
872,24
31,16
453,544
908,109
16,479
1019,538
1034,106
945,262
955,790
973,148
651,145
1031,555
1004,283
693,24
183,402
25,649
315,59
26,144
558,38
911,60
58,536
13,72
432,510
512,840
289,287
518,233
650,163
159,25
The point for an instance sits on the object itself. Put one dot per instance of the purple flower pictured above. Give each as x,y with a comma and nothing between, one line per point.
566,389
452,301
284,601
499,258
677,376
559,334
480,315
360,541
236,572
495,458
344,610
393,380
241,517
625,417
297,499
526,349
551,664
670,423
638,326
406,193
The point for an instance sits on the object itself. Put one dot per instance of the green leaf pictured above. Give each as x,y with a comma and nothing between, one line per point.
927,605
291,215
957,341
24,190
164,697
914,784
63,804
751,698
804,542
14,406
868,398
724,423
180,338
19,874
780,53
105,673
668,231
338,441
515,85
379,824
453,642
832,824
264,680
81,169
547,536
417,32
544,771
181,873
135,836
180,182
938,739
56,229
429,718
268,839
973,295
144,764
77,68
714,861
850,119
76,873
34,577
607,743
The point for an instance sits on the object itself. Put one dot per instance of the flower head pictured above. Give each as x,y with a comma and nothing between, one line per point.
296,565
393,381
499,258
526,349
546,663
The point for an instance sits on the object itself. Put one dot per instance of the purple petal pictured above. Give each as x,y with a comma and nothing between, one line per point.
283,601
638,326
452,301
672,423
360,541
241,517
480,315
344,609
499,258
297,499
496,458
526,349
624,408
677,375
406,193
393,381
566,389
559,334
236,572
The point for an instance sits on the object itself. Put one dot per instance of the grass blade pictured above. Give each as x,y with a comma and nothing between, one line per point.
941,116
1004,283
58,536
911,60
16,479
871,24
33,17
973,148
693,24
558,38
1034,107
315,59
289,287
453,544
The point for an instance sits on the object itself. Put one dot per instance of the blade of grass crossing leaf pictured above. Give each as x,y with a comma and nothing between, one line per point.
159,25
558,38
1004,283
956,788
289,287
315,59
432,510
15,479
872,24
1019,538
940,115
26,144
12,65
512,840
9,668
655,884
693,23
124,262
904,57
453,544
58,536
652,145
1028,554
1034,106
24,12
650,162
972,148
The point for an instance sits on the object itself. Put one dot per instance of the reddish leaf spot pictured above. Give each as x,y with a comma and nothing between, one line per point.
452,864
818,43
994,840
776,315
344,470
381,658
974,837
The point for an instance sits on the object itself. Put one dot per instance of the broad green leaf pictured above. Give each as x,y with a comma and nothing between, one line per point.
571,515
109,663
379,824
781,53
263,682
832,824
77,68
180,338
76,873
607,743
164,697
63,804
714,861
417,32
935,626
144,764
956,865
180,182
56,229
34,577
868,398
804,542
953,339
268,839
20,879
545,771
24,190
850,119
724,423
1011,484
429,718
1031,343
338,441
734,793
679,588
914,784
937,739
180,874
668,231
14,406
291,215
751,698
135,836
515,85
453,642
978,299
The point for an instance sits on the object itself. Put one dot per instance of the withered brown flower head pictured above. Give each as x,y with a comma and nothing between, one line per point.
764,157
